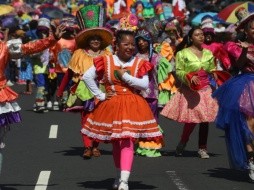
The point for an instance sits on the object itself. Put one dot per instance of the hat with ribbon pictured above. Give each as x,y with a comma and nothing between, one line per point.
128,22
91,20
243,17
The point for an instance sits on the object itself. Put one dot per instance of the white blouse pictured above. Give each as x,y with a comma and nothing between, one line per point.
90,76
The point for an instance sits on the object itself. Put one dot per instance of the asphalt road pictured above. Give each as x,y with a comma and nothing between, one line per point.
44,152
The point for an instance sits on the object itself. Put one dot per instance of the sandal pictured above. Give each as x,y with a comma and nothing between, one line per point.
87,153
96,152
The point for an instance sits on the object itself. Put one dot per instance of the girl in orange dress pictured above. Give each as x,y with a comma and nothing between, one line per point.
117,118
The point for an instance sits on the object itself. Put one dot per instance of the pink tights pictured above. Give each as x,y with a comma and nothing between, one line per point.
123,153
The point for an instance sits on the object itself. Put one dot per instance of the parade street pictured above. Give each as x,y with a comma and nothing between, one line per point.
44,152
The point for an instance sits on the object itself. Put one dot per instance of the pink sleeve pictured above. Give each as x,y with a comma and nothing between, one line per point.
233,49
223,57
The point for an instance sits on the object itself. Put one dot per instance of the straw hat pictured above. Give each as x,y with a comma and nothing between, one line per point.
91,22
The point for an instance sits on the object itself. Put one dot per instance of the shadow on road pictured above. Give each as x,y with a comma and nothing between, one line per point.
107,183
78,151
17,186
229,174
186,153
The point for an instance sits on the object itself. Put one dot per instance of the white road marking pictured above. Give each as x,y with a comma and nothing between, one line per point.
177,181
43,179
53,131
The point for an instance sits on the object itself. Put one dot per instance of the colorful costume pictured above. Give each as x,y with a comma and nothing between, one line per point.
151,148
62,53
119,117
187,105
91,21
80,62
160,72
26,69
236,101
9,109
222,58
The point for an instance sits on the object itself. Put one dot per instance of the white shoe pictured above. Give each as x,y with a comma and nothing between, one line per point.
9,83
251,165
251,174
251,170
123,185
203,154
116,184
55,105
2,145
49,105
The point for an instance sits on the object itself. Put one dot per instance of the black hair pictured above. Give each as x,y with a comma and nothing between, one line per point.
248,25
121,33
33,24
186,42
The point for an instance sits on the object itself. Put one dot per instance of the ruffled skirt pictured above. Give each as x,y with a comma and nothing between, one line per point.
236,100
9,108
123,116
188,106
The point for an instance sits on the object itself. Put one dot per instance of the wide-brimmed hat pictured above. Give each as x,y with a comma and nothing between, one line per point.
243,16
91,22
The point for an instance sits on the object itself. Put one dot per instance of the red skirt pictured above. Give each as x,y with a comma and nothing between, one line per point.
123,116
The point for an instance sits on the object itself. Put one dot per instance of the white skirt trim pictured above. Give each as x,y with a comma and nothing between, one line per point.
9,107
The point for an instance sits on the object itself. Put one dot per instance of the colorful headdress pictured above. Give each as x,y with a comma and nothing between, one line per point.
129,23
43,23
91,21
154,26
243,16
70,23
170,26
145,34
207,24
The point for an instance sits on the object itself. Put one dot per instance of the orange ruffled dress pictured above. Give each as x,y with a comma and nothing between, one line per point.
9,109
125,115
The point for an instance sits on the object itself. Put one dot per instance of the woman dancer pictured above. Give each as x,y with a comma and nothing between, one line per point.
189,106
91,42
160,73
236,100
117,118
